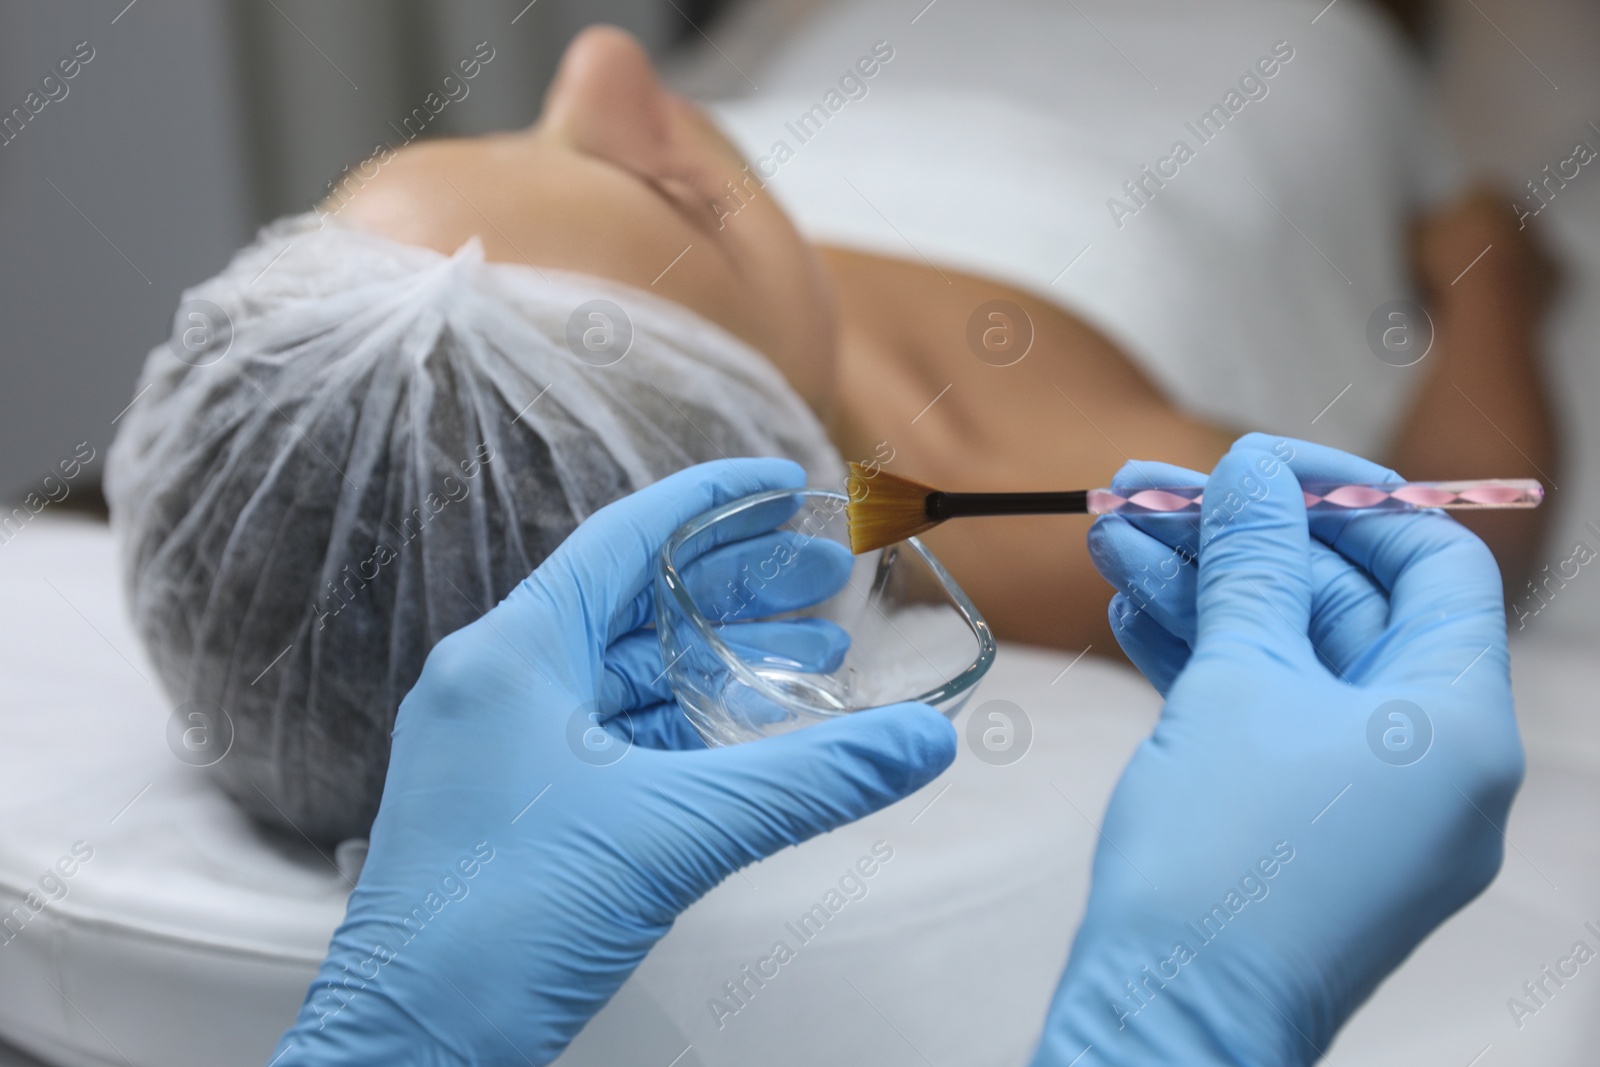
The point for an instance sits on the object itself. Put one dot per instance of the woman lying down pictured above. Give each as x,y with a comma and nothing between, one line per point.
1021,264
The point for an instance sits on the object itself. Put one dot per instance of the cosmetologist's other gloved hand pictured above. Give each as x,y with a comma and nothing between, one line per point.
1150,560
1286,837
519,870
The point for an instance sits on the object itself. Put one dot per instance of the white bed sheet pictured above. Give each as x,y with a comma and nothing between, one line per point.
189,936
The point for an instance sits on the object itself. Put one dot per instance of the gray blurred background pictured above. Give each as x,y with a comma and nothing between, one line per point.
195,122
198,120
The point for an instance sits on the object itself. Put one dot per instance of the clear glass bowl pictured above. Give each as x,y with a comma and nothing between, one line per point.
768,624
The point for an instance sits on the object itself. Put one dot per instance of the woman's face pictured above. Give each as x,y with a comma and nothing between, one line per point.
622,180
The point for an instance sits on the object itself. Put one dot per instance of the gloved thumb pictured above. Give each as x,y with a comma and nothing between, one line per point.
1255,552
769,794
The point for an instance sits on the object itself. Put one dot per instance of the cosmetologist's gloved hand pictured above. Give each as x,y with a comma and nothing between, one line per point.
1150,560
522,864
1286,837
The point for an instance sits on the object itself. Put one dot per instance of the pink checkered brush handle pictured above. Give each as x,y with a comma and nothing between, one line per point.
886,508
1394,496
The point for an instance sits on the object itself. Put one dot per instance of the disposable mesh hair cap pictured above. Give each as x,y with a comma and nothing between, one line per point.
351,447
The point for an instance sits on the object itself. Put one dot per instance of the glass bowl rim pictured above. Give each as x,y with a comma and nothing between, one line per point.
667,574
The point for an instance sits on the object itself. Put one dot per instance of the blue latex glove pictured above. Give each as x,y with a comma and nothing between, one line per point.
1150,560
1286,837
519,869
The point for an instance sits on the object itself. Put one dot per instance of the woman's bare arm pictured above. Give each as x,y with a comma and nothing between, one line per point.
1072,412
913,394
1482,410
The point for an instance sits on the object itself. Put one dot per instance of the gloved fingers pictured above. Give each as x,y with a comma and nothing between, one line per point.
1156,581
1175,530
1154,650
1138,474
1255,555
660,726
1348,611
1312,463
752,521
636,676
768,574
1446,614
1315,464
1444,588
1153,614
742,567
1149,558
599,573
1382,543
816,646
766,795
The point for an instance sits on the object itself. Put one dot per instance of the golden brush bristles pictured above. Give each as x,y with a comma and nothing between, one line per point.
884,509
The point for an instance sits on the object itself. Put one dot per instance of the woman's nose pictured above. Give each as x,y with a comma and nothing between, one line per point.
607,101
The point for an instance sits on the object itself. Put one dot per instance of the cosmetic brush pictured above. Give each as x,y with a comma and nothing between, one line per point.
885,508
